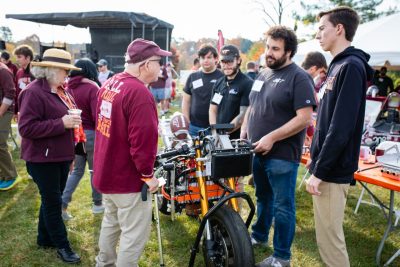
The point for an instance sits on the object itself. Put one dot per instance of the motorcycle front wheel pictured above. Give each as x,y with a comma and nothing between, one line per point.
230,244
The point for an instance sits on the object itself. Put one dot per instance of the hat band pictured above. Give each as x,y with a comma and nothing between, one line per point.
57,59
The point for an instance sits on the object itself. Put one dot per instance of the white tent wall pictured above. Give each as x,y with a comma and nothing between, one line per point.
379,38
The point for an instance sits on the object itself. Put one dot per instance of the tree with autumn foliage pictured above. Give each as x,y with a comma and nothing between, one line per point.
367,9
256,50
187,50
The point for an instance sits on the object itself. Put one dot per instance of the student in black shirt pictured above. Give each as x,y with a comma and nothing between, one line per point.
383,82
231,92
198,90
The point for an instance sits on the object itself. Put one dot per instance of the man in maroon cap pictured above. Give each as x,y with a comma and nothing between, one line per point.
126,137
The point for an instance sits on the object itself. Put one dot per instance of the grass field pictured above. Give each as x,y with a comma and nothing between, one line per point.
19,212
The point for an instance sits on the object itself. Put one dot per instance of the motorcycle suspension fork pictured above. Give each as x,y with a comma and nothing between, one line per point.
201,180
233,201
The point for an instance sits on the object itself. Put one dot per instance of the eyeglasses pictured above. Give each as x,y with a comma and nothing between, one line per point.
158,60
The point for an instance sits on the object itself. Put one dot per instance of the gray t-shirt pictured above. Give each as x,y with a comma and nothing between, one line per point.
274,99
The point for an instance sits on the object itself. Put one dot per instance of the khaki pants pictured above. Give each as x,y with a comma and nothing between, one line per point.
128,219
328,215
7,167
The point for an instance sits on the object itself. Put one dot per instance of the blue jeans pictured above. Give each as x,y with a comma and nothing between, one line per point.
275,183
79,170
194,130
158,94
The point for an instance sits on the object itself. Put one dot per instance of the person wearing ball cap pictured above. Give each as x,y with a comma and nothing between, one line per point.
127,136
47,145
230,96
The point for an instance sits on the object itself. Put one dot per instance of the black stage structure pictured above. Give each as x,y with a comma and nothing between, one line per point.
111,31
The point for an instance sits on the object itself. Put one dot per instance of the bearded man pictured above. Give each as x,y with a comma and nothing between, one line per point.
281,105
231,92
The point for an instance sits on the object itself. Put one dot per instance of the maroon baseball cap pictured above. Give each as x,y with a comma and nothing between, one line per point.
140,49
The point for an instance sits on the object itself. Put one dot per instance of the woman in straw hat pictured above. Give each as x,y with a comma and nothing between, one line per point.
48,144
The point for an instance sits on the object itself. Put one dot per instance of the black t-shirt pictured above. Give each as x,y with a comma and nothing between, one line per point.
274,99
383,83
252,74
235,94
199,85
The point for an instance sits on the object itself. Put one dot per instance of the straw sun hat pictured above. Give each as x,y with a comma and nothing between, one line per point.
57,58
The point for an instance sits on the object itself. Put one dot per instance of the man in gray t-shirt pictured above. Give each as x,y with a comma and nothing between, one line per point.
281,104
283,92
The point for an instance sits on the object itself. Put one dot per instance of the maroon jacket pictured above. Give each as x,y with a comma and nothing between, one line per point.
7,87
13,68
22,79
44,138
84,92
126,135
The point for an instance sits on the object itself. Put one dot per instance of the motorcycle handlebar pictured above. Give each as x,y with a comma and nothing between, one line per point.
181,151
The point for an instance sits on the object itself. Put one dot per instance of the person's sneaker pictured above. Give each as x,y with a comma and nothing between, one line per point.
65,215
7,185
272,261
97,209
255,242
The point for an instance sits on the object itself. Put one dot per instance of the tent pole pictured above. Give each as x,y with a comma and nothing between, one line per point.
154,31
167,44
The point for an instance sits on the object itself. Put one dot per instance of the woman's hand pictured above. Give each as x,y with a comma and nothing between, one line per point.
71,121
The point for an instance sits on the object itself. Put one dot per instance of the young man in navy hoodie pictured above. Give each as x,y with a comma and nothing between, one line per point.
336,142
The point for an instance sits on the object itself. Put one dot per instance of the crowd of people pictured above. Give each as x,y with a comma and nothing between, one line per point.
272,107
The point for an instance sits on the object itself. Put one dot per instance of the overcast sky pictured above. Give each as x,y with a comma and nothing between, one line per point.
191,19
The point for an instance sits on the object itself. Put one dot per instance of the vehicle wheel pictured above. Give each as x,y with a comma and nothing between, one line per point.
164,205
231,245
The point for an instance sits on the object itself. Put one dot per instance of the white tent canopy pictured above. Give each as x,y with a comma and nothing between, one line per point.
379,38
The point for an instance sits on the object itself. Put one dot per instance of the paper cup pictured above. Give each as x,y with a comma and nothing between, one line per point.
75,112
365,152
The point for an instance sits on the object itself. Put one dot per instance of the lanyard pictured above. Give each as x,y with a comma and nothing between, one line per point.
66,98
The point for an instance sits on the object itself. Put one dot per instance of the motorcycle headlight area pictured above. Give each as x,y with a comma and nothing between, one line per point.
227,163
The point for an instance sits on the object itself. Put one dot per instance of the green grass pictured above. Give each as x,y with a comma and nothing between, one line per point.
19,212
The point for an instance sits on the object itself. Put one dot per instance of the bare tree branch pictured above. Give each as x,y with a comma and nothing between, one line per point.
263,9
274,12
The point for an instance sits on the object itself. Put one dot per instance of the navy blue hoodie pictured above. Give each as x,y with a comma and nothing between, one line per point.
336,143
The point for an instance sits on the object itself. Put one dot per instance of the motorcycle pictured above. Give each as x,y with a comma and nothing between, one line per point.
199,180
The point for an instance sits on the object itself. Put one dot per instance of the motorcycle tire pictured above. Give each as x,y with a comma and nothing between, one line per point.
164,205
231,241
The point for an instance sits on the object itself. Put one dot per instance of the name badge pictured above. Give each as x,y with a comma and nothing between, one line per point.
197,83
105,109
217,98
257,85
